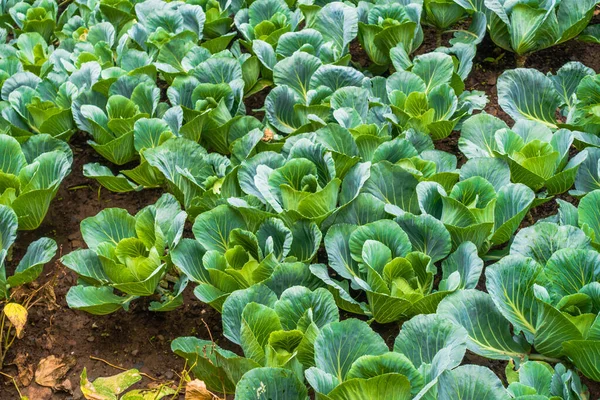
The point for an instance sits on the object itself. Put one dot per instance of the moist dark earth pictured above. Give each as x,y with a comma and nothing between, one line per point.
141,339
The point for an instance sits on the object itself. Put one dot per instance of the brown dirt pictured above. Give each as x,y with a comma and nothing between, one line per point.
256,102
359,56
450,144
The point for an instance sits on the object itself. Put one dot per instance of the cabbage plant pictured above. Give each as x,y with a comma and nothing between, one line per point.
303,85
536,156
338,24
308,40
305,185
546,289
266,20
31,175
96,43
531,377
32,106
423,98
327,32
338,359
189,172
524,27
211,98
277,335
442,14
159,21
369,367
181,165
171,31
476,209
392,261
387,25
31,265
428,99
111,125
148,133
528,94
128,254
239,247
38,16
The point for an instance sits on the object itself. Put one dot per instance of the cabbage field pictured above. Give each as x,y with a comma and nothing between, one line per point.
300,199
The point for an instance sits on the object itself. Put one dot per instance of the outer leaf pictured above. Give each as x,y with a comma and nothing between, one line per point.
338,23
471,382
294,304
427,235
392,184
387,386
296,72
510,284
110,225
585,354
31,265
213,227
589,213
270,384
543,239
528,94
235,304
96,300
257,324
432,339
512,204
489,332
466,263
339,344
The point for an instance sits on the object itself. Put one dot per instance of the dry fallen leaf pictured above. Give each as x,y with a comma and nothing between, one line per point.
17,315
25,375
52,370
64,386
35,392
50,297
267,135
196,390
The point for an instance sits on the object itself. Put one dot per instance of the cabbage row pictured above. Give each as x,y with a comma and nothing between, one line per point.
329,208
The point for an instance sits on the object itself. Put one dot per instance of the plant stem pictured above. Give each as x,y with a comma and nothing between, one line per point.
461,31
521,60
119,368
2,348
438,38
12,378
540,357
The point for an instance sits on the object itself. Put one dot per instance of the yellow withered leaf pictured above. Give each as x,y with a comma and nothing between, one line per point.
196,390
17,315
